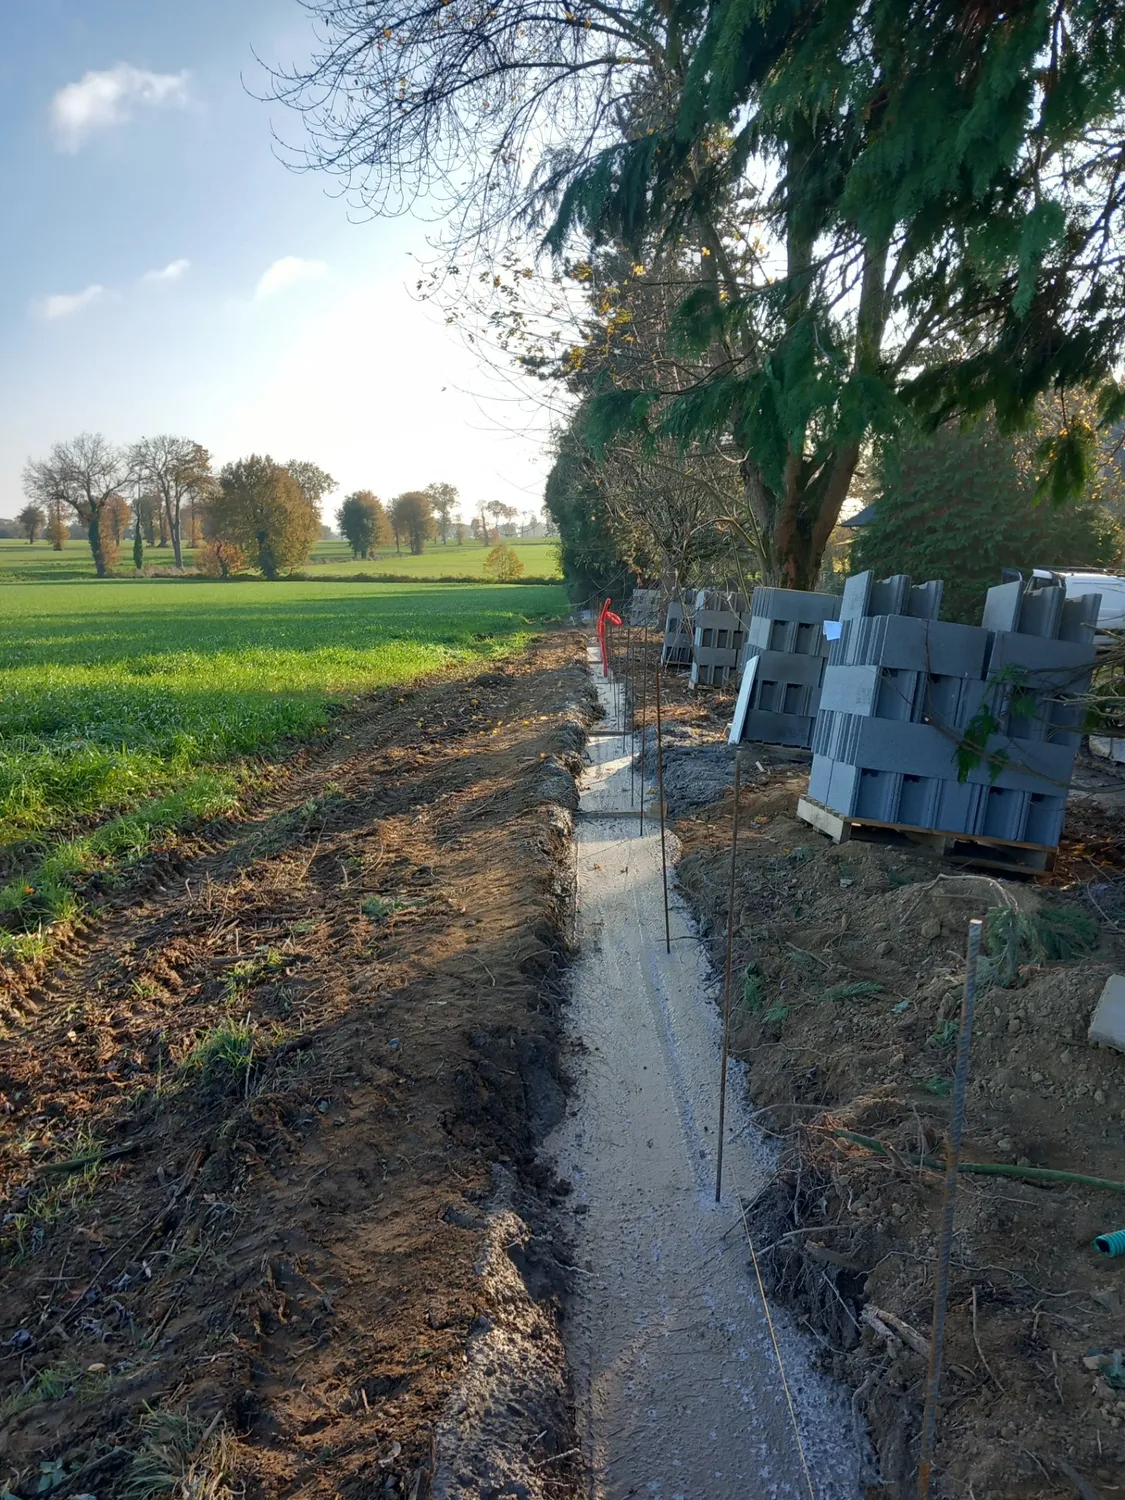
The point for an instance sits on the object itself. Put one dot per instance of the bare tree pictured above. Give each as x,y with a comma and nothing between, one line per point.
314,481
481,113
178,472
84,475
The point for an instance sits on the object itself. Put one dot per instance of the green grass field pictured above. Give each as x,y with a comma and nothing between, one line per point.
330,559
128,708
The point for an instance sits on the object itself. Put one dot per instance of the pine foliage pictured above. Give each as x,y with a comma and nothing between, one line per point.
956,506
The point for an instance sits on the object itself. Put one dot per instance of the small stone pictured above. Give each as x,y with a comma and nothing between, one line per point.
883,948
1099,1096
1014,1025
1066,1056
930,929
1037,1078
1107,1028
1004,1144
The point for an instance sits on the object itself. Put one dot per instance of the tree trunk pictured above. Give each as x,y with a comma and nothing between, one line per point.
94,531
174,528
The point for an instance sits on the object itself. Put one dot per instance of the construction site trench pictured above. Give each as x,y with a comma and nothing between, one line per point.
366,1145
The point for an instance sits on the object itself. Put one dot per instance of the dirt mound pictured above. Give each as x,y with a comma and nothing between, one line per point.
250,1122
850,964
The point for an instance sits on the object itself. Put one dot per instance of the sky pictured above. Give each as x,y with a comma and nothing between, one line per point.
163,271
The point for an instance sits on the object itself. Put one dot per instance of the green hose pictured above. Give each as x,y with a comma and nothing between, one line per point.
983,1168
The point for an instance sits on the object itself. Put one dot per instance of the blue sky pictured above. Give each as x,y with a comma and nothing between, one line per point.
161,270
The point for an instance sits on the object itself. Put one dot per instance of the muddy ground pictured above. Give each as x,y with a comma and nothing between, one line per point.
848,965
271,1217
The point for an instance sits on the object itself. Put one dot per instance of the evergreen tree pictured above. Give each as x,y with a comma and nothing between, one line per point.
897,208
960,506
362,522
595,555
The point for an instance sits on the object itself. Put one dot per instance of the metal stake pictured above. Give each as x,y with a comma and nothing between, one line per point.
945,1245
727,967
660,800
644,723
625,706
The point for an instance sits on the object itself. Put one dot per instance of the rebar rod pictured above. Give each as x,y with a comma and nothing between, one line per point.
660,802
727,970
949,1205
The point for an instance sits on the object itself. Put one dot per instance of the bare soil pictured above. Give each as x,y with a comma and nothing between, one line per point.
849,963
271,1212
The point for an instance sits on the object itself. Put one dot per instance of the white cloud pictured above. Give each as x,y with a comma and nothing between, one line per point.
99,100
171,272
63,304
285,272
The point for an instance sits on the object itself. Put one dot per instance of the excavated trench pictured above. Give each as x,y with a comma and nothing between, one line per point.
687,1386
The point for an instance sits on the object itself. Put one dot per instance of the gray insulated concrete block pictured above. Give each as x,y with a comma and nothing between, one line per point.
843,789
877,796
677,640
784,698
924,600
857,595
850,690
958,807
889,595
820,779
923,750
1047,665
717,630
1045,817
1041,610
1002,607
1107,1025
786,666
795,604
898,641
1005,813
779,729
1080,618
918,801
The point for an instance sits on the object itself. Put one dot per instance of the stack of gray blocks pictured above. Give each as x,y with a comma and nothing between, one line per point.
676,651
644,608
786,643
902,688
719,629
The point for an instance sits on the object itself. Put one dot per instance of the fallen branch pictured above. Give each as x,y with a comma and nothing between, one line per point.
890,1326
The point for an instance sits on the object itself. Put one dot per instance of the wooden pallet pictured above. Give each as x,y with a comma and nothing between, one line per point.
965,848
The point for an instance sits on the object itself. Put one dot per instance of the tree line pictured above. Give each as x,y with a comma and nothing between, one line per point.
770,244
254,512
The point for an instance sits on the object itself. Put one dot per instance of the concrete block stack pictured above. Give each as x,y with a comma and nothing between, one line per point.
783,666
719,630
902,689
676,651
644,608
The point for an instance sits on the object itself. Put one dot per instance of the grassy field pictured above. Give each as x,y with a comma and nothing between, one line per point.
128,708
330,558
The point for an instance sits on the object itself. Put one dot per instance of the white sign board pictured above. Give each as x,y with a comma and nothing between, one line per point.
742,707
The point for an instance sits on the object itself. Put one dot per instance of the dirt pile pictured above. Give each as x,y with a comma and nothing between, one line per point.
250,1125
849,963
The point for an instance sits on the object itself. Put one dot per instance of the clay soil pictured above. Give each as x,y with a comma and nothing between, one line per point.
257,1117
848,966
